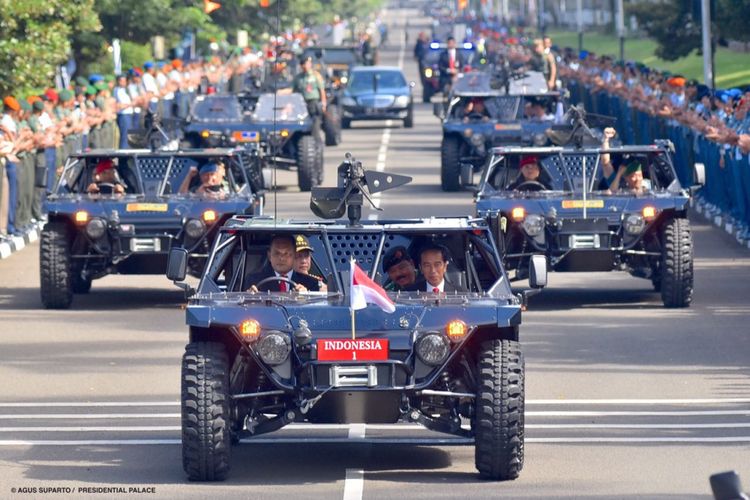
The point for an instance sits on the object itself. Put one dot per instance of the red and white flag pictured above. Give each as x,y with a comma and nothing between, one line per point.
365,291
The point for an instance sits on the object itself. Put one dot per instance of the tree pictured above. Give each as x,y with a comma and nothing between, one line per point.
732,17
672,24
35,38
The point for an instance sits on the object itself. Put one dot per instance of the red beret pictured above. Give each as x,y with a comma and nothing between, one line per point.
104,165
527,160
52,95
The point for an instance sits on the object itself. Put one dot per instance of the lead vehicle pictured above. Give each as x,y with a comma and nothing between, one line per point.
256,362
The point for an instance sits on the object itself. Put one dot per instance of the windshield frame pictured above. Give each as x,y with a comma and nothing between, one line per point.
207,100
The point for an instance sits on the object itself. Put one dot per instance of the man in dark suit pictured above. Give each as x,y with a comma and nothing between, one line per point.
433,263
281,255
450,63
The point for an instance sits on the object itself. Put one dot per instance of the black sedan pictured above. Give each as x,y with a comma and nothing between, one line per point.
377,93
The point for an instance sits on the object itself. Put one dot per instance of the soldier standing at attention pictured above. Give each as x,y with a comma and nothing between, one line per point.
309,83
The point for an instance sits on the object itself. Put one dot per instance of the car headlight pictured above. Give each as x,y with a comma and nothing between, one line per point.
428,72
477,140
348,101
634,224
402,101
273,348
533,224
195,228
539,139
433,348
96,228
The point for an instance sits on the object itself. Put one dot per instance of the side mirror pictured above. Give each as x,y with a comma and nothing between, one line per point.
699,174
538,271
177,264
726,486
412,84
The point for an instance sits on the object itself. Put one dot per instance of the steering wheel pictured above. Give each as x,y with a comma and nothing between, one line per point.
292,284
531,186
475,116
106,188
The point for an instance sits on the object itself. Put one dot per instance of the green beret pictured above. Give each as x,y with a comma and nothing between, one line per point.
101,86
65,95
90,90
82,81
38,106
633,167
25,106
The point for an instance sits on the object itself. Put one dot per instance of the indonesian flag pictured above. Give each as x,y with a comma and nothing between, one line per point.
365,291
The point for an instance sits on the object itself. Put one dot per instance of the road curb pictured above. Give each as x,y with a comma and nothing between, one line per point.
13,244
723,221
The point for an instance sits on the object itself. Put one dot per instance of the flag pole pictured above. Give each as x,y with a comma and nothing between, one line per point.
351,281
353,336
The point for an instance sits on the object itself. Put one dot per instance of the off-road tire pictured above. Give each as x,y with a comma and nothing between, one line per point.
409,120
55,277
450,171
206,426
499,415
308,162
332,126
676,263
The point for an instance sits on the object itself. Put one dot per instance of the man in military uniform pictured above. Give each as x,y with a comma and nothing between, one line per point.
303,261
310,84
399,266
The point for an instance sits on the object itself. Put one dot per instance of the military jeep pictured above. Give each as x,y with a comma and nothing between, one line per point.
130,229
259,361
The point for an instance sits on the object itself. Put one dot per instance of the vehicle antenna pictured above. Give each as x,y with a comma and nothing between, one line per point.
274,144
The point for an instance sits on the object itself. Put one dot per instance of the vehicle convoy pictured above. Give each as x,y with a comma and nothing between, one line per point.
558,201
275,130
257,361
430,67
121,211
485,110
377,93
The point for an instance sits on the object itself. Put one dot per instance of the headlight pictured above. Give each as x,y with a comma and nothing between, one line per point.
533,224
433,348
539,139
477,140
634,224
402,101
428,72
348,101
273,348
96,228
195,228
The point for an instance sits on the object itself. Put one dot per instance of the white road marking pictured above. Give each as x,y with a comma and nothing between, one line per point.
639,426
88,416
634,413
677,401
354,484
357,431
93,429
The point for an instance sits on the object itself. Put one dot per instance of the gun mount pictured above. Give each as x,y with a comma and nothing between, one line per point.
355,184
575,129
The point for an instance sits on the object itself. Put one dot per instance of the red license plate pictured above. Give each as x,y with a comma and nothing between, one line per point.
352,350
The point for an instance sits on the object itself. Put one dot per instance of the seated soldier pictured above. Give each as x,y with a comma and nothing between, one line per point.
303,262
632,171
475,110
281,254
530,172
433,263
400,269
106,179
211,181
534,110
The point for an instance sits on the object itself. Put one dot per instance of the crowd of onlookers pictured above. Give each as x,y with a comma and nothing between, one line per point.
38,132
719,115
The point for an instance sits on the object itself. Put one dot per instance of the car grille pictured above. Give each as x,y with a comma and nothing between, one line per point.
380,101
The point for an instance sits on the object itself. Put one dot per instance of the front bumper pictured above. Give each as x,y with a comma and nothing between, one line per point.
364,113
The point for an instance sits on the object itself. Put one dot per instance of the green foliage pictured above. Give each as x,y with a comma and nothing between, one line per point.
732,17
671,25
35,38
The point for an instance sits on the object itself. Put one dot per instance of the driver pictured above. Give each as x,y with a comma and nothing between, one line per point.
106,174
281,255
476,110
303,261
530,172
433,263
212,181
400,268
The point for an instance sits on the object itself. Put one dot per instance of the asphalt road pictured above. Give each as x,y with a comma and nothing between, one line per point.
624,398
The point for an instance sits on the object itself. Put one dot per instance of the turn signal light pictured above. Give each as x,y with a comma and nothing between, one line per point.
284,133
649,212
205,133
209,216
518,214
81,217
456,329
250,329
